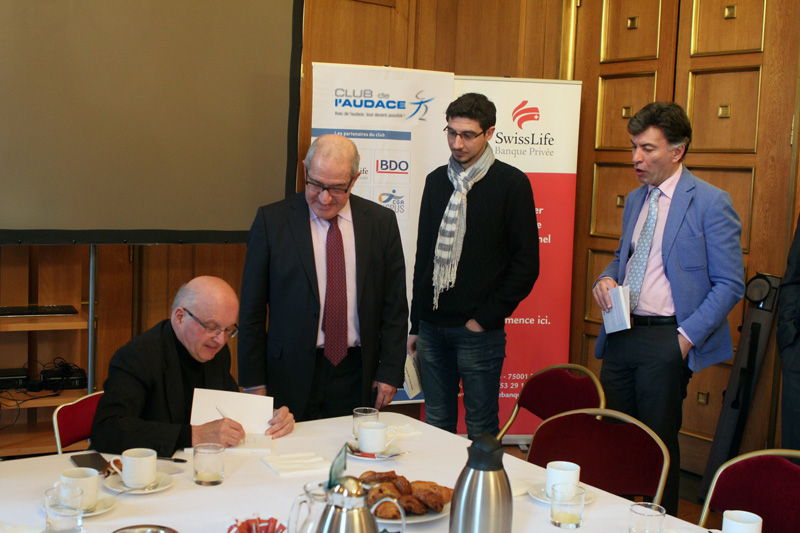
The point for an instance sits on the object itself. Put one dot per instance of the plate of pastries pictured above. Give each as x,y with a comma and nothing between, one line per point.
421,500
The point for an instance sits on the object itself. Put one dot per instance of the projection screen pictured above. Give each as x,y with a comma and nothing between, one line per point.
144,121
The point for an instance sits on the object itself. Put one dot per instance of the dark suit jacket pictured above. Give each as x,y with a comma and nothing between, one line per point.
789,302
143,404
280,277
702,255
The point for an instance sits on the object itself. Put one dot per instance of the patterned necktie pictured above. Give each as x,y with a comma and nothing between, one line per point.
642,251
334,318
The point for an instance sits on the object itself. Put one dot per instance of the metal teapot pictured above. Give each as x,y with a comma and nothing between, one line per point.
482,495
346,509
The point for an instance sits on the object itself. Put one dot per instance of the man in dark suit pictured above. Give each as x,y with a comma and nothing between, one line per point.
147,400
789,346
327,268
681,257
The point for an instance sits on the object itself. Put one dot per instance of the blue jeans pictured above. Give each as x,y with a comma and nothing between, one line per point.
450,355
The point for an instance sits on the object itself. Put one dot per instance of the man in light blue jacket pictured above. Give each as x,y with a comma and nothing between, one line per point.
680,255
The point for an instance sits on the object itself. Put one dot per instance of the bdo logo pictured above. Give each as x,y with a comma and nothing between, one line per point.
391,166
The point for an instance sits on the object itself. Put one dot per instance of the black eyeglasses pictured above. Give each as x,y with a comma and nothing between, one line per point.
465,135
228,332
317,188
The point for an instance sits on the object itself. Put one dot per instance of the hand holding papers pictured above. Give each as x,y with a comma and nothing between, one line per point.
253,412
619,316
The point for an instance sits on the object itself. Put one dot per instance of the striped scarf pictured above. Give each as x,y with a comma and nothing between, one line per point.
454,221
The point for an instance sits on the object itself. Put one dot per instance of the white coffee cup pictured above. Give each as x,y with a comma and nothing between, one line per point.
561,472
88,479
372,437
138,467
741,522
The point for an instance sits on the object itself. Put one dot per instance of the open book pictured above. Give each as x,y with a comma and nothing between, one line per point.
252,411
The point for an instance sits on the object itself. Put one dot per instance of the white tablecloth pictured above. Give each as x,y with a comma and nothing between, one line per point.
250,487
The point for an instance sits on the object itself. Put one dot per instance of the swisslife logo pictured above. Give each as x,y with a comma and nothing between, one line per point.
519,143
524,113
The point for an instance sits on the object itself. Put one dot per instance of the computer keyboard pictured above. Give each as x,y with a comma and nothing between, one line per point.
36,310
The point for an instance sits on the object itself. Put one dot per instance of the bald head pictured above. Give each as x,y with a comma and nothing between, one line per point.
334,149
203,306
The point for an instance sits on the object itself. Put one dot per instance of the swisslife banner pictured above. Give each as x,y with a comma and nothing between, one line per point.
537,132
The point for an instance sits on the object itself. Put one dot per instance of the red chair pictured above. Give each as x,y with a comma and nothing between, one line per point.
627,459
555,389
762,482
72,422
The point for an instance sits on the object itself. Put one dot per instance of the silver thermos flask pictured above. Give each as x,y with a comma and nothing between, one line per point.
482,496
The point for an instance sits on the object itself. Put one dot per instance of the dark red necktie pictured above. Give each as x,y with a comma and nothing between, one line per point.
334,318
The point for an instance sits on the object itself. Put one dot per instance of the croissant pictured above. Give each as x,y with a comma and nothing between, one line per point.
403,485
387,510
371,476
412,505
382,491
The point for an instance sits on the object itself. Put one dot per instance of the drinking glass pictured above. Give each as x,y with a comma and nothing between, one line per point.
566,505
209,466
63,506
646,518
361,415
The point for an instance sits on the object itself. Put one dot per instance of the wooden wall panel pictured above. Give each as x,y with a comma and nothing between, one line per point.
598,261
14,291
726,27
621,96
723,108
739,183
114,306
630,30
612,183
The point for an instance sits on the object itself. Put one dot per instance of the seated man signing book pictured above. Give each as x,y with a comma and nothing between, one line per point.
151,380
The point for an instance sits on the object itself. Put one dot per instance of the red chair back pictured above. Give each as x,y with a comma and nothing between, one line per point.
767,485
626,459
72,422
556,390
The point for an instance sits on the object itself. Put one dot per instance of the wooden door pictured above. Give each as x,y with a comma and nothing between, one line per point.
729,65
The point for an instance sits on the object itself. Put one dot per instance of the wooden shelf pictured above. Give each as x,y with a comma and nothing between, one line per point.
45,323
41,399
32,438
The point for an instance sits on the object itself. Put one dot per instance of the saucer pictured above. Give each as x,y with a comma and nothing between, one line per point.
114,482
388,453
104,505
537,492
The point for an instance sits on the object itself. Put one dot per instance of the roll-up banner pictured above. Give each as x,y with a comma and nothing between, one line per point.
396,116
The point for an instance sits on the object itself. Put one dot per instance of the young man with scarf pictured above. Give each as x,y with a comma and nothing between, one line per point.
477,258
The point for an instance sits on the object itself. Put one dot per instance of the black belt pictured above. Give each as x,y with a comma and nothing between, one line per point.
639,320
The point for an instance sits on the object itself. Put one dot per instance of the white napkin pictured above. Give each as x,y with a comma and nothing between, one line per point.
405,430
297,463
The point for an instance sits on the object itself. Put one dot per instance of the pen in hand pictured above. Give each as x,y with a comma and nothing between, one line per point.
223,416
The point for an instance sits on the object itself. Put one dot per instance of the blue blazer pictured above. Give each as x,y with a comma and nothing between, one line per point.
702,258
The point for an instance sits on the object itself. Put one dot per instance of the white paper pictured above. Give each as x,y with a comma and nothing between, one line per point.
619,317
252,411
413,381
